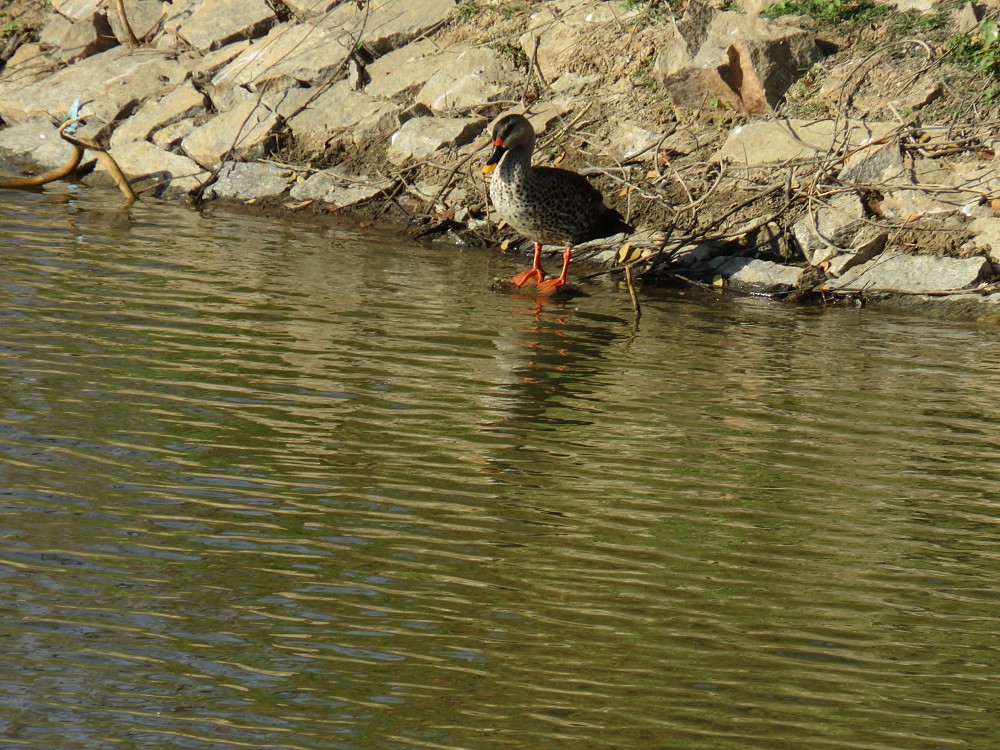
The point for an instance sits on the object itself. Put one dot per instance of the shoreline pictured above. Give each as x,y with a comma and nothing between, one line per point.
772,187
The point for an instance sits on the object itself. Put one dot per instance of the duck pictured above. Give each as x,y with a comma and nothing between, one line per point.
548,205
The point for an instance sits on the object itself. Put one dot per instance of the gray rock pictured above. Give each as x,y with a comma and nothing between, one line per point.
893,272
170,137
777,141
560,28
158,112
28,64
35,141
389,24
149,167
837,227
245,132
289,55
75,40
955,186
77,10
421,137
743,62
339,108
143,16
759,276
464,80
244,181
866,167
305,9
216,23
403,71
341,189
111,82
987,239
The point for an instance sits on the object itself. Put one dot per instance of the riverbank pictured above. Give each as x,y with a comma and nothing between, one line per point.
847,155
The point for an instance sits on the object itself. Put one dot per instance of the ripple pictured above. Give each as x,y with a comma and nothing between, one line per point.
273,485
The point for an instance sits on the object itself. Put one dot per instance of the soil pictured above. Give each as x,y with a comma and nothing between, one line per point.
20,22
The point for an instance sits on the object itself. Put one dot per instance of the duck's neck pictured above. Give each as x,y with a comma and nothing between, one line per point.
515,164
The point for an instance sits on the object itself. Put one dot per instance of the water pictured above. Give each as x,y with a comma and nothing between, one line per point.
268,484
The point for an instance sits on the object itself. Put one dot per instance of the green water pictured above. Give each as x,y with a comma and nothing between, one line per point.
267,484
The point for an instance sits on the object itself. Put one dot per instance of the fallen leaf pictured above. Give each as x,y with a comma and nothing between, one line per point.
718,281
995,204
297,206
912,217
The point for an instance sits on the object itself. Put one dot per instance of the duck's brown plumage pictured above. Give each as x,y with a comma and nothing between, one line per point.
547,205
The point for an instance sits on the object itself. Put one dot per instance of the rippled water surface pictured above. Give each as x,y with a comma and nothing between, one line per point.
269,485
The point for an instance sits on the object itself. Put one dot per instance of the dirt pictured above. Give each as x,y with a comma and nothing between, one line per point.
20,22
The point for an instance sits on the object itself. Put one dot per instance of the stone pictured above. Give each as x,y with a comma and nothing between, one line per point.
966,19
77,10
246,181
733,60
838,227
215,23
388,24
245,132
778,141
340,189
919,96
27,65
170,137
75,40
957,186
337,109
290,54
158,112
306,9
422,137
465,80
919,6
402,72
149,167
629,140
987,237
894,272
867,165
561,28
758,276
111,83
35,142
143,16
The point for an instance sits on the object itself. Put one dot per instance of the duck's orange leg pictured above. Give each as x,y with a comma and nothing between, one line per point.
535,274
550,285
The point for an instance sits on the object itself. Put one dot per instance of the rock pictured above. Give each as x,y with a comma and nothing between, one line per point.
966,19
110,82
338,109
893,272
290,54
920,6
244,132
423,136
341,189
987,237
150,167
158,112
75,40
77,10
305,9
245,181
402,72
28,64
35,141
955,186
919,96
216,23
727,58
629,140
840,226
866,166
389,24
777,141
143,17
465,80
758,276
561,28
170,137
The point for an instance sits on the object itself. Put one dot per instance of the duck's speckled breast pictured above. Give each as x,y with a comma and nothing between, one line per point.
547,205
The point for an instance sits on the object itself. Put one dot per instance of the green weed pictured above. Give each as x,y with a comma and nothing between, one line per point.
828,11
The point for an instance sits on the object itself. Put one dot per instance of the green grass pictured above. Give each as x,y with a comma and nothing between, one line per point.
828,11
979,52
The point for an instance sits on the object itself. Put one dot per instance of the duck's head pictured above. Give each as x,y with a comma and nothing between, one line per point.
510,132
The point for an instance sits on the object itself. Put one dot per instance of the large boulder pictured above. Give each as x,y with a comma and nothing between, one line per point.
725,58
245,132
914,274
422,137
771,142
75,40
210,24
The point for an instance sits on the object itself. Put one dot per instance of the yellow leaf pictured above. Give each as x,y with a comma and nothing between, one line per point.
718,281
